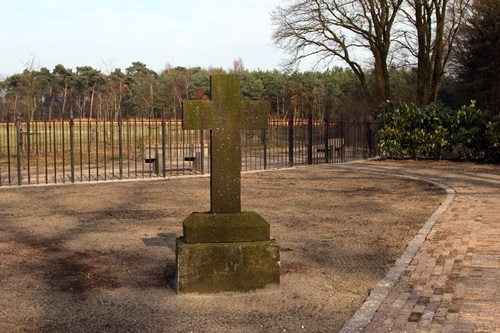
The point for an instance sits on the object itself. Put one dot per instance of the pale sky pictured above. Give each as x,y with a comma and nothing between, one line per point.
114,33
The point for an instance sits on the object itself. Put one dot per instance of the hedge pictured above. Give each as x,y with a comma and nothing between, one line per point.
435,131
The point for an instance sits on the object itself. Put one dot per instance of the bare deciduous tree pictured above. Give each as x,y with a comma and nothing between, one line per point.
434,26
340,29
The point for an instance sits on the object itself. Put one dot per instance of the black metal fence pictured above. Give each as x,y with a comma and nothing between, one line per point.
52,152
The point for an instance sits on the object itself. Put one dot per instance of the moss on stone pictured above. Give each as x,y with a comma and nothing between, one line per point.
225,228
221,267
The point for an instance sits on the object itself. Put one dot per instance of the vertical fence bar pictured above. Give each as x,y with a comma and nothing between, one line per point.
28,148
1,151
175,151
290,140
18,151
115,156
130,154
8,154
97,149
63,143
129,146
355,141
158,144
37,152
54,139
264,139
309,138
345,137
132,147
169,145
72,147
131,129
89,147
120,146
104,147
46,152
111,144
149,143
80,148
369,139
326,140
163,145
138,146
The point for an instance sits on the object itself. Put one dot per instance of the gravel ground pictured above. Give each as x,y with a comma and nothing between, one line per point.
100,257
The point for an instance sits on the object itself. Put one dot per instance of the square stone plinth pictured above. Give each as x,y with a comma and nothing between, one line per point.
225,228
220,267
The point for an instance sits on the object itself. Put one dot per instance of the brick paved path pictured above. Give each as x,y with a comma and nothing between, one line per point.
448,280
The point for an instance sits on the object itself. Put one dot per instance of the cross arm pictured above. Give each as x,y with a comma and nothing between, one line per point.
198,115
255,114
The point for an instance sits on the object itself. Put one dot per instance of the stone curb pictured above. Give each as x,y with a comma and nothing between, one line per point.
363,316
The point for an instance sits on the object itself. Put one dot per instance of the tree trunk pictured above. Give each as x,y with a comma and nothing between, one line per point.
382,84
423,61
438,50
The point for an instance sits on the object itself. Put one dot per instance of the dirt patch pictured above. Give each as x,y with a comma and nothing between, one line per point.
99,257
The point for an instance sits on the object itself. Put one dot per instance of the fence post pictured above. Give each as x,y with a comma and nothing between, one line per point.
264,137
163,145
369,139
310,138
19,144
28,148
290,140
9,166
72,145
343,141
325,140
54,141
120,145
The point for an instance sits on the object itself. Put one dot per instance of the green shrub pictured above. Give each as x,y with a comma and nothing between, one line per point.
435,131
432,123
468,128
393,125
411,132
492,135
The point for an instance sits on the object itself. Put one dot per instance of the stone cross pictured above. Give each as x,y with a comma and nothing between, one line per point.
225,115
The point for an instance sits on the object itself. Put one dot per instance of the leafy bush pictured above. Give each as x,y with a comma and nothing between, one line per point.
437,132
492,135
393,126
408,131
467,132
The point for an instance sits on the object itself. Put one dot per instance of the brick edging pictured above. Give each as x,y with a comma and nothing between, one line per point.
366,312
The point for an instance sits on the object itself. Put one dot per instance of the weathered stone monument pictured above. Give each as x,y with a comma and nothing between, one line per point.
225,249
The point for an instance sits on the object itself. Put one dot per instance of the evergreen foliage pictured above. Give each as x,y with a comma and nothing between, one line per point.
477,56
435,131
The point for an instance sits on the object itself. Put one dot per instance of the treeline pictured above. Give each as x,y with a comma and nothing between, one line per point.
138,91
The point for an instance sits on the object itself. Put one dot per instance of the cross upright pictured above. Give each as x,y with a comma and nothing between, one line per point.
225,115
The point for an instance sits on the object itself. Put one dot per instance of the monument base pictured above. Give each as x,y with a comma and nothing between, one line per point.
219,267
226,252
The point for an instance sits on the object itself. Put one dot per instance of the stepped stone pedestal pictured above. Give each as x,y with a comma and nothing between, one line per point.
225,249
226,252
